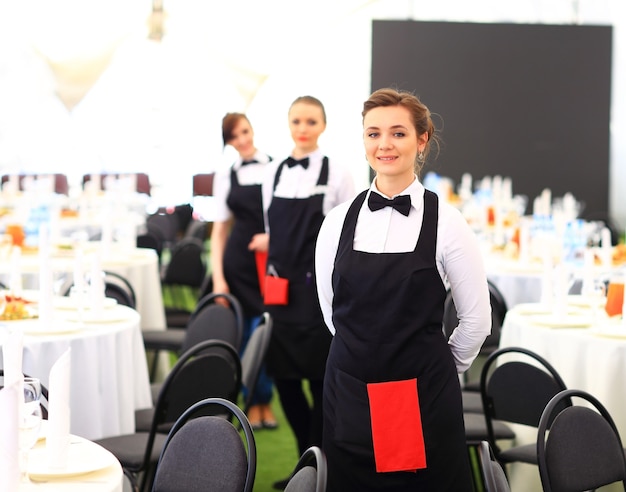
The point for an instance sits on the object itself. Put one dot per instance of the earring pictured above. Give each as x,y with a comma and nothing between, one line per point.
420,156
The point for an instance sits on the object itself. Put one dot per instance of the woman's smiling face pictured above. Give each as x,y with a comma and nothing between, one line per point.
391,141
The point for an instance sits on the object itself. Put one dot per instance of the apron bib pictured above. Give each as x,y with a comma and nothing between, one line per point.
240,271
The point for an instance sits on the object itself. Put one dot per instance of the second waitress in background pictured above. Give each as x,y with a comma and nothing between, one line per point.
297,195
238,217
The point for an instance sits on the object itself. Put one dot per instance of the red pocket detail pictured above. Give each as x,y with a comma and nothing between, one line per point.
276,290
261,267
396,426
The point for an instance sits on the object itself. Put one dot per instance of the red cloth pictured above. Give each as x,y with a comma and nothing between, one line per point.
261,267
396,426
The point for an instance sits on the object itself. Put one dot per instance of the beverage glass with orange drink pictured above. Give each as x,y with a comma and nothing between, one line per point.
615,296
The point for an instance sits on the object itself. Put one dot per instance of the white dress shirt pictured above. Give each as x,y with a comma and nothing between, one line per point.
458,257
250,174
297,182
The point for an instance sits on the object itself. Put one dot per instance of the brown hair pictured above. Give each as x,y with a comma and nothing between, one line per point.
311,100
420,114
229,122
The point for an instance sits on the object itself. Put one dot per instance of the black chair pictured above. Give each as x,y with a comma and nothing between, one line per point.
499,309
494,478
165,227
220,322
516,391
310,473
211,368
185,270
207,452
151,240
583,449
210,321
253,357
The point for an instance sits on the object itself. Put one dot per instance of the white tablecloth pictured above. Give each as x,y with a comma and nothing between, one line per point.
139,266
109,378
589,358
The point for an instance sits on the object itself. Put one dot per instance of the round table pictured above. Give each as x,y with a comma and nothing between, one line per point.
109,374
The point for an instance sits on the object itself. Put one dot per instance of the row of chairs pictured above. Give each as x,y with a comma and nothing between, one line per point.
575,448
208,365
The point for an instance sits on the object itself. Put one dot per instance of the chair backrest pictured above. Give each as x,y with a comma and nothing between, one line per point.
202,184
310,473
164,226
207,452
516,391
211,320
151,240
211,368
254,355
118,287
494,478
583,449
498,312
187,264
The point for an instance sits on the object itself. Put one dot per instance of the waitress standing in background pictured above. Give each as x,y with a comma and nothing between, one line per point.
238,217
393,416
297,195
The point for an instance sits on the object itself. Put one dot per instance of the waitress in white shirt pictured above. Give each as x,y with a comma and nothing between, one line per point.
393,417
238,217
297,196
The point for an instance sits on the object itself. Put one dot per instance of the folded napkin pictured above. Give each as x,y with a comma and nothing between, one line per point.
9,439
58,433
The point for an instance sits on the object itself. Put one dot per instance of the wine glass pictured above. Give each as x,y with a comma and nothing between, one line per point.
30,422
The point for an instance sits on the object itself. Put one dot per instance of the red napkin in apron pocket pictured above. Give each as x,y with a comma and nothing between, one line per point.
276,288
396,426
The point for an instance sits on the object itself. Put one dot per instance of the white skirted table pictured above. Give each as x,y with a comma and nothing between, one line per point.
109,374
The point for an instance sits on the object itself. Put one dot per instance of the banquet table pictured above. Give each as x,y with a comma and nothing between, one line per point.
90,468
139,266
109,374
521,281
586,347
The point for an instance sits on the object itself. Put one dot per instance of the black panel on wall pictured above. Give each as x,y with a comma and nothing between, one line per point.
527,101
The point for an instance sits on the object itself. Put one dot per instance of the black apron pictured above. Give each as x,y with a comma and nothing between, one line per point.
387,311
300,339
240,270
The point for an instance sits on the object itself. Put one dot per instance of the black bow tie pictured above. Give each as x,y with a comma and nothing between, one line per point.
251,161
401,203
290,161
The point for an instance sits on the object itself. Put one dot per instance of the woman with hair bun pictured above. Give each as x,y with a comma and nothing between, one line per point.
238,217
393,415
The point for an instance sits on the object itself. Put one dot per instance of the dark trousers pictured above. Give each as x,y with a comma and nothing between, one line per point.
305,421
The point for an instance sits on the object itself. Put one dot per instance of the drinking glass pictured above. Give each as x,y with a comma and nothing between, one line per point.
30,422
615,297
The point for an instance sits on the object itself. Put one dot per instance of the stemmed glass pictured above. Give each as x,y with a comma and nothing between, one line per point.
30,422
